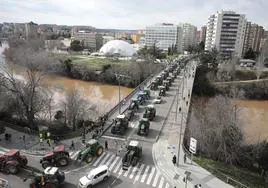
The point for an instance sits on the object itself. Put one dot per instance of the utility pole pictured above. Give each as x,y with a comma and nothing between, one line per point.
119,76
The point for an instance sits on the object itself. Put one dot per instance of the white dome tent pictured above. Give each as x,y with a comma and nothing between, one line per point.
117,48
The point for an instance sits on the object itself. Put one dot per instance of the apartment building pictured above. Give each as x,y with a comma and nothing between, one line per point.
31,30
188,36
91,40
226,33
253,35
163,35
202,35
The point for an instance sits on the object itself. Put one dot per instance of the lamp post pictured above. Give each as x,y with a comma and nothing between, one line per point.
119,76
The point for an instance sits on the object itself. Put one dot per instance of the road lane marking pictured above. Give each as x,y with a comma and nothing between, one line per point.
117,167
145,174
120,172
161,182
113,138
167,185
128,170
115,161
98,160
150,176
139,173
110,160
156,179
105,158
134,171
74,154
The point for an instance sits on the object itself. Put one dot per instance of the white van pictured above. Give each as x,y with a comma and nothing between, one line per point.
94,176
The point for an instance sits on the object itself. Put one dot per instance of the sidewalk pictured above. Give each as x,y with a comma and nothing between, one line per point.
167,147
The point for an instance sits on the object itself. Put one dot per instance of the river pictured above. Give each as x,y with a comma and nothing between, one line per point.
253,113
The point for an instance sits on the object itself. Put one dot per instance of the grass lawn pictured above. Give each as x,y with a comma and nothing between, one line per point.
222,171
96,63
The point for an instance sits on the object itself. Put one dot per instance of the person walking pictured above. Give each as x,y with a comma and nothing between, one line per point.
184,158
106,145
72,145
48,142
174,159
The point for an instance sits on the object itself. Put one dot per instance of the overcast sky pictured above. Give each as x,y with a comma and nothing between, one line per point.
127,14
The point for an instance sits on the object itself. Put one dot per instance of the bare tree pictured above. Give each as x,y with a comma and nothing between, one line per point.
76,108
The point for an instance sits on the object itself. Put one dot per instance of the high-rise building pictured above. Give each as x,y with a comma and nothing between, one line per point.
188,35
226,32
202,36
136,37
91,40
31,30
253,35
164,36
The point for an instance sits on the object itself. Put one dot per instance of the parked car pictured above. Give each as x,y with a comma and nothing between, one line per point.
101,173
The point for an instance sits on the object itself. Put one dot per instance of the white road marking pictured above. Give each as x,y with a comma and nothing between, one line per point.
145,174
114,138
156,178
150,176
161,182
117,167
127,172
139,173
115,161
98,160
74,155
105,158
134,171
167,185
110,160
121,172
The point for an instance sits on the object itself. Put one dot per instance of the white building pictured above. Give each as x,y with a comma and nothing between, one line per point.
162,35
107,39
226,32
31,30
188,35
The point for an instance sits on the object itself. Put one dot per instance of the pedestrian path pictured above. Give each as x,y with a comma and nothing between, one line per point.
141,173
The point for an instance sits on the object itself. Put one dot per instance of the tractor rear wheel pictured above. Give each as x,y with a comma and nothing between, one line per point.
134,161
46,164
89,159
63,161
99,151
12,169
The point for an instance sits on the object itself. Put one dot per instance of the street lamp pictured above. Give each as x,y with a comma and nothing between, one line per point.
119,76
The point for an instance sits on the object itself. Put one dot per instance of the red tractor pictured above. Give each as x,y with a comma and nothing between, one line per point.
59,157
12,161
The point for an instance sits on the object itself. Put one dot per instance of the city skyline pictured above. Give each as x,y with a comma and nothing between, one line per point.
126,15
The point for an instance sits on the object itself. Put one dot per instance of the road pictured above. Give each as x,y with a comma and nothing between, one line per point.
145,174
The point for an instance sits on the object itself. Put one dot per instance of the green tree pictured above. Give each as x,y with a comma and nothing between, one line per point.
76,45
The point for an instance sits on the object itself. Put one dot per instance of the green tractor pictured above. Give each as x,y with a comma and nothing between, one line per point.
150,112
92,149
144,126
132,155
134,105
147,93
162,91
166,84
154,85
120,125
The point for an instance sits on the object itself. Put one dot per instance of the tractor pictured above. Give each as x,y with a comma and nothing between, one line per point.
149,112
141,97
129,114
162,91
144,125
132,155
166,84
169,79
154,85
120,125
93,148
147,93
159,80
58,157
134,105
52,177
12,161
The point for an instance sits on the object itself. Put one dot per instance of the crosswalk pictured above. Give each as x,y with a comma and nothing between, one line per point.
141,173
3,150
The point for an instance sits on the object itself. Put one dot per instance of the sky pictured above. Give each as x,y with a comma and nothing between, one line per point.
127,14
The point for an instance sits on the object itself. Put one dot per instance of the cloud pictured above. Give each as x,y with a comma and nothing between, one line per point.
135,14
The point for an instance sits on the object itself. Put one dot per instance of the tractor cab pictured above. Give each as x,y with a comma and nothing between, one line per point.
144,125
134,105
166,84
120,125
93,148
169,79
141,97
12,161
172,78
162,91
132,155
150,112
159,80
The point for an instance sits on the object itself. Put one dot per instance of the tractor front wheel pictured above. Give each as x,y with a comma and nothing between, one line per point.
12,169
89,159
99,151
46,164
63,161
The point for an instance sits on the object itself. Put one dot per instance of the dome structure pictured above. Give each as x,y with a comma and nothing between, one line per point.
117,48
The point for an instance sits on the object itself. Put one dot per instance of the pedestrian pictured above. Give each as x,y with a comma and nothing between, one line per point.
174,159
72,145
48,142
184,157
106,145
